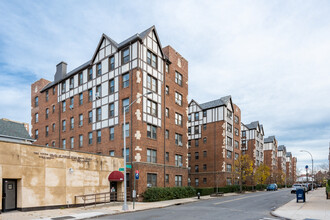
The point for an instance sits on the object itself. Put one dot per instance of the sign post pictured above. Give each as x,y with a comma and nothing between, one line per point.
134,192
306,167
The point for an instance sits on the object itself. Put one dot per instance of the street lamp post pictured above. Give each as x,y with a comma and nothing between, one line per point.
125,207
312,166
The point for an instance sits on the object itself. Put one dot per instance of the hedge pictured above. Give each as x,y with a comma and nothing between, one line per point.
167,193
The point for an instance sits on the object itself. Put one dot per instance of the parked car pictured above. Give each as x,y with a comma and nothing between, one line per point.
308,186
271,187
296,185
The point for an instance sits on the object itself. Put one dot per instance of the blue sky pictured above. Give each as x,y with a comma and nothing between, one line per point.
271,56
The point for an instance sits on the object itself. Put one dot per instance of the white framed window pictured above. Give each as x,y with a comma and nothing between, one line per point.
178,180
151,156
178,98
152,107
152,83
178,139
178,78
178,119
151,131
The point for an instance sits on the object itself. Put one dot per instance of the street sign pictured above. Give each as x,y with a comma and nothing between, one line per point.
306,167
128,166
136,171
137,176
121,169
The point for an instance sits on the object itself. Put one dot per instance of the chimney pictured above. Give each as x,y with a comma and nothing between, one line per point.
60,71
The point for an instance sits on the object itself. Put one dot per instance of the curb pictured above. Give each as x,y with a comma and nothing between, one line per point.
278,216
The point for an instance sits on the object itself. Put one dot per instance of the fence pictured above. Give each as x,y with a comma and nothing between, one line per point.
98,198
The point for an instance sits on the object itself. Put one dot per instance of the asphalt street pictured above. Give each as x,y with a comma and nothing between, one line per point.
252,206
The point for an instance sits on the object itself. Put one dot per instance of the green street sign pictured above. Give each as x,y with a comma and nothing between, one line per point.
128,166
121,169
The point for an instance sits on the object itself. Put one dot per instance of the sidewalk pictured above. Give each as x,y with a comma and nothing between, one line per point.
98,210
315,207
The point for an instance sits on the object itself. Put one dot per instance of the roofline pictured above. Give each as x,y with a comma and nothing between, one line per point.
20,138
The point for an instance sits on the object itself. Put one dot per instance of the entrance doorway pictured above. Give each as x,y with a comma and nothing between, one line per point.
113,191
9,195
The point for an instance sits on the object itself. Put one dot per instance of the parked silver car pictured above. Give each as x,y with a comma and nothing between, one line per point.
297,185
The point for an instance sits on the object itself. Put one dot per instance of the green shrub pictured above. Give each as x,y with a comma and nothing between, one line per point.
260,187
205,191
167,193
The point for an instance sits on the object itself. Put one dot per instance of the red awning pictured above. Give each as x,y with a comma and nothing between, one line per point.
116,176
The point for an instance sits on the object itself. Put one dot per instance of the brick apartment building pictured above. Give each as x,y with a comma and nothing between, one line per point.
289,176
294,169
213,142
281,158
253,142
270,155
83,109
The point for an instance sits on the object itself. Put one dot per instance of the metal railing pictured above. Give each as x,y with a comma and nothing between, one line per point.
98,198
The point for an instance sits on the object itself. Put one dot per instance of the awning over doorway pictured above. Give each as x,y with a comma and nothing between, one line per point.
116,176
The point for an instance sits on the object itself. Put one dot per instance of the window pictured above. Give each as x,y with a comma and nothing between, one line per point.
229,127
125,105
167,157
229,141
196,143
243,133
125,56
178,180
178,160
204,127
228,167
151,156
196,168
236,156
127,154
81,97
71,83
125,80
236,119
189,117
167,90
196,155
98,91
53,143
228,181
81,139
90,74
197,116
63,143
178,119
112,153
111,110
63,106
243,143
204,167
99,69
189,156
71,123
151,83
54,90
63,87
47,130
90,117
189,130
36,117
178,98
204,153
36,134
178,139
98,114
53,127
80,81
167,134
53,109
63,125
152,107
236,131
229,154
204,113
71,102
196,182
112,133
111,86
36,101
167,178
151,180
204,180
72,142
90,137
111,63
81,120
204,140
236,144
90,95
47,96
197,129
126,129
167,112
178,78
229,114
151,59
151,131
98,136
166,67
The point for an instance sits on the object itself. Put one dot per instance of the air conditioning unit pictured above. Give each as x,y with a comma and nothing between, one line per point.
97,95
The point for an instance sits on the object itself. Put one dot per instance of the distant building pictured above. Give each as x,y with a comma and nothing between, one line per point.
13,131
294,168
270,155
289,176
281,158
213,142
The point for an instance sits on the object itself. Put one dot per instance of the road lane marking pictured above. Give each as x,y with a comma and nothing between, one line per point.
245,197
